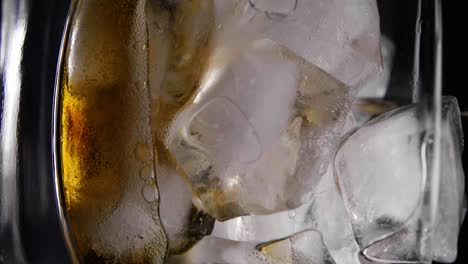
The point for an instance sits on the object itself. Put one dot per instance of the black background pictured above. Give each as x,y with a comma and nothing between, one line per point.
455,83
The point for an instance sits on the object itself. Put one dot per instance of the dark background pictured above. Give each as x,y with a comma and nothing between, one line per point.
42,238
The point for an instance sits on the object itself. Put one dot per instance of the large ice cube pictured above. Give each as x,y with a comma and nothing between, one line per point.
300,248
452,182
384,196
327,33
380,175
325,213
260,130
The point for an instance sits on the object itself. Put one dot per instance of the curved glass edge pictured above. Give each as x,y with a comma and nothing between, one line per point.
70,244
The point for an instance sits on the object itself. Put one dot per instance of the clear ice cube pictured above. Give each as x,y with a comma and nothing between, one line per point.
379,174
261,119
384,197
325,212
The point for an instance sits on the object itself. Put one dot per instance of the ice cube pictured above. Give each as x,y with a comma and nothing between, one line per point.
183,223
452,182
260,130
384,197
300,248
379,171
326,33
325,213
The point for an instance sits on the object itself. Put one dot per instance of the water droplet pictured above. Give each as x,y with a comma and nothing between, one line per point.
149,192
292,214
142,152
147,173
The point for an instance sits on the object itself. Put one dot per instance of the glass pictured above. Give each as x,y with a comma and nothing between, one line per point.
202,131
29,215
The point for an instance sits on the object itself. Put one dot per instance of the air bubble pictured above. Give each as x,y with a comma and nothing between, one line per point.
149,192
292,214
147,173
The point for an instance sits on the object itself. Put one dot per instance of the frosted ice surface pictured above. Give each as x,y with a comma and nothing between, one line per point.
407,245
383,196
260,130
380,175
301,248
325,213
327,33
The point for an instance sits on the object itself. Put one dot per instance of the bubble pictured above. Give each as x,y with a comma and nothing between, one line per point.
292,214
147,173
149,192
